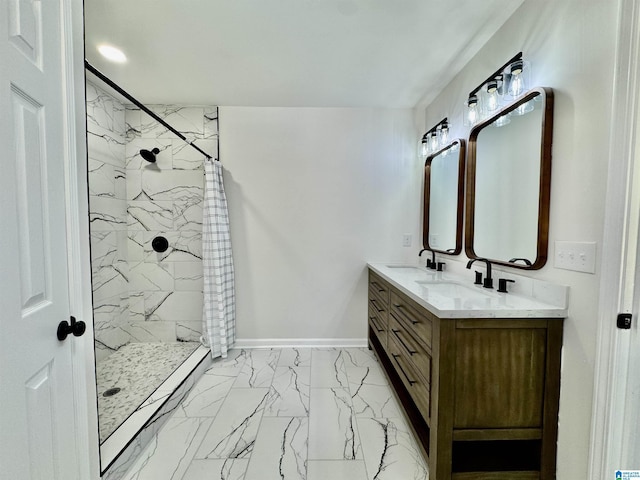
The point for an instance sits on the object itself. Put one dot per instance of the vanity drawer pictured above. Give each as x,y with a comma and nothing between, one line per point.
416,386
377,307
412,316
379,326
378,288
413,351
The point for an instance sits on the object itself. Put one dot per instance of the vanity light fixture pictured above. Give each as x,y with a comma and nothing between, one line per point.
432,141
507,83
493,96
443,137
472,109
518,78
424,145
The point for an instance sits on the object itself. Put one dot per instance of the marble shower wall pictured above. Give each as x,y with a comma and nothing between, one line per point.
106,142
141,295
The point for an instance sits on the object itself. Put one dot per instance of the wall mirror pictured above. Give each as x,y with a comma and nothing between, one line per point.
508,183
443,199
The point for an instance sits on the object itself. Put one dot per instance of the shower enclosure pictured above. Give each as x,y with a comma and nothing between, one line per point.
145,202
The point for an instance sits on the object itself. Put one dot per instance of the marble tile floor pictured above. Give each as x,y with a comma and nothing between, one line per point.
308,414
137,369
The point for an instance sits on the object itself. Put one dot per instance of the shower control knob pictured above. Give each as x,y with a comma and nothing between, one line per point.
160,244
74,328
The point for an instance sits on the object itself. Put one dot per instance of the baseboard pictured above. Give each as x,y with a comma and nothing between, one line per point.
300,342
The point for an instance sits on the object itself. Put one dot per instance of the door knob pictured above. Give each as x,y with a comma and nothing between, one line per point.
75,328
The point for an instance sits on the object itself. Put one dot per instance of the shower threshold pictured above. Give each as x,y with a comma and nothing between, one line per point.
126,432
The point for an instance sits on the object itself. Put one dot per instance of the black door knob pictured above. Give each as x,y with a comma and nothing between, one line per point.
74,328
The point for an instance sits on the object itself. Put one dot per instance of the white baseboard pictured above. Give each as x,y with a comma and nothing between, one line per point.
300,342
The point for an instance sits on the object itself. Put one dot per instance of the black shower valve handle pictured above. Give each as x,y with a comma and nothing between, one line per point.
160,244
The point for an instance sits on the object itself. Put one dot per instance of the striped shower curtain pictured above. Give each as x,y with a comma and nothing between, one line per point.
219,310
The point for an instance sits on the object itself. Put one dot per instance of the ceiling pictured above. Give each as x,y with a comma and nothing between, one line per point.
290,53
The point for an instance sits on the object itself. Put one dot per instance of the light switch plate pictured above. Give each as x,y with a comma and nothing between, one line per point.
576,256
406,240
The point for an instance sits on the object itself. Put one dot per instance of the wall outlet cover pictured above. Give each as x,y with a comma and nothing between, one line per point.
576,256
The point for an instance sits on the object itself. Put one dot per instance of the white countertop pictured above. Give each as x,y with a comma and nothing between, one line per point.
449,295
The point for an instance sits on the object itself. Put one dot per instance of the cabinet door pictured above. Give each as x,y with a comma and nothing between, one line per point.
499,376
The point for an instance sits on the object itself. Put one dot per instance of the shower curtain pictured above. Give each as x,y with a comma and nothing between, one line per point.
219,309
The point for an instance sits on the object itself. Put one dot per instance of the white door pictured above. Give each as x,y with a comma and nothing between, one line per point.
38,424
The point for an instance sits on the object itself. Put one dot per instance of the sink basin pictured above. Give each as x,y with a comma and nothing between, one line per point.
406,268
454,290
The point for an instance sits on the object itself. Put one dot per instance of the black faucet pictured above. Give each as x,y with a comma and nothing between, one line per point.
488,281
431,262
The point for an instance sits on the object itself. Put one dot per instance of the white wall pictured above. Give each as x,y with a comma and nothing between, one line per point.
313,195
571,46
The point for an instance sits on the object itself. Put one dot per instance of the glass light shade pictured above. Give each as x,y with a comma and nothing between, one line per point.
502,120
517,75
472,111
444,134
424,147
492,97
524,108
433,142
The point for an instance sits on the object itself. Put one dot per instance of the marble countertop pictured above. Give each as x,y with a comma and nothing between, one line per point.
449,295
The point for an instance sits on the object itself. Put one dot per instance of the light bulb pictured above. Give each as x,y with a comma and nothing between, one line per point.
433,141
472,112
444,134
517,86
425,147
493,101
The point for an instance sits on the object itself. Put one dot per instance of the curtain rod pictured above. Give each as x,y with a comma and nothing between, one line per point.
139,104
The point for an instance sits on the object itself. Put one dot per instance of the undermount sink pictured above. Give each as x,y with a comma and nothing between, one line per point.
404,267
454,290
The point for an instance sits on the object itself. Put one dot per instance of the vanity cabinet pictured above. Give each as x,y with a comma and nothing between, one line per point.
481,394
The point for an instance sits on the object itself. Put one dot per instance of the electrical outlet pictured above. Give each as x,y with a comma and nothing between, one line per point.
406,240
576,256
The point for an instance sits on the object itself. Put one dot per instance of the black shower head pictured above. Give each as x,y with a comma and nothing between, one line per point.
149,156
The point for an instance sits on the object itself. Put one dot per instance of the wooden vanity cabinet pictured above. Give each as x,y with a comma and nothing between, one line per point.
378,308
481,394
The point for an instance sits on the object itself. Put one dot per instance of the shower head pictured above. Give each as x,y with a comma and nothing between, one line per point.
149,156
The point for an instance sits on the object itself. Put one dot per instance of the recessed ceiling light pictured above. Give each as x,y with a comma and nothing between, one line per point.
112,53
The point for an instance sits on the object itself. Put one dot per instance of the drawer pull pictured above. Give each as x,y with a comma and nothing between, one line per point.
396,332
375,325
401,307
377,285
376,305
395,357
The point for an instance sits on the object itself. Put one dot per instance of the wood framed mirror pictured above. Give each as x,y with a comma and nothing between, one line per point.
509,183
443,199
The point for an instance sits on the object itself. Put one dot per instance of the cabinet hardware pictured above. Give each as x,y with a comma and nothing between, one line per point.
400,308
375,324
396,332
395,357
373,302
377,285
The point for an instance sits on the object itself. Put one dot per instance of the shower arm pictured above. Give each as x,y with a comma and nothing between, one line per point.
140,105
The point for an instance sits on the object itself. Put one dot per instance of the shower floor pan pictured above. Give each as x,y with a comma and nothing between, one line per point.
137,370
176,366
